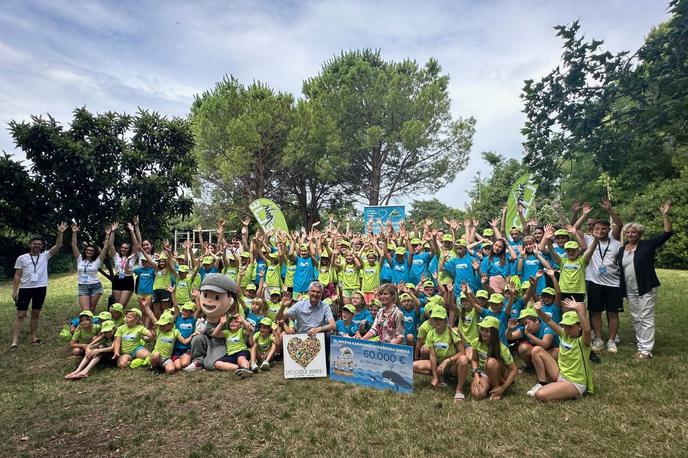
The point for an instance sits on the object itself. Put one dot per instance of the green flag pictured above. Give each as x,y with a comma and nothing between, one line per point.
522,191
268,214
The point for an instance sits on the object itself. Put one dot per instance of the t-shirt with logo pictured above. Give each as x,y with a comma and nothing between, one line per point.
481,348
164,342
603,268
146,276
468,324
131,337
34,270
87,271
572,275
370,276
304,273
411,321
263,342
186,327
461,270
345,330
236,341
163,279
574,360
421,261
444,344
83,336
349,276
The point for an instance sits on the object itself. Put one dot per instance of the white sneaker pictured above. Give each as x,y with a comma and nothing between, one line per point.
597,345
254,367
611,347
531,392
265,366
194,366
617,339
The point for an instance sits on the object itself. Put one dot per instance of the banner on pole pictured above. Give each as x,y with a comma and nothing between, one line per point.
393,213
373,364
523,191
268,214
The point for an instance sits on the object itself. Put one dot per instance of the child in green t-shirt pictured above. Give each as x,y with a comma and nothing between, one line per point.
238,355
494,369
572,267
263,347
129,343
167,335
84,333
100,349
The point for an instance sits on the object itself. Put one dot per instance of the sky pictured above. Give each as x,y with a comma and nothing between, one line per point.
121,55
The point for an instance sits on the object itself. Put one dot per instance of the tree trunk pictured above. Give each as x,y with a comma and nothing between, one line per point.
375,177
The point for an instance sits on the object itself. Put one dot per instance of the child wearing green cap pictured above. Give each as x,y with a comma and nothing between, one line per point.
528,332
345,326
165,339
569,376
263,346
184,322
349,275
238,354
129,342
447,355
117,313
572,265
493,366
410,307
362,316
100,349
370,274
84,333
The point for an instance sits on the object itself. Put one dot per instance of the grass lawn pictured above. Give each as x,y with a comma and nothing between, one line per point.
639,408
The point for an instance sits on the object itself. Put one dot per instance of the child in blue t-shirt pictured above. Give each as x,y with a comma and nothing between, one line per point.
345,326
362,316
410,308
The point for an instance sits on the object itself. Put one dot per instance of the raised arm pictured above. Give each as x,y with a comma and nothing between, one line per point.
107,242
61,228
75,245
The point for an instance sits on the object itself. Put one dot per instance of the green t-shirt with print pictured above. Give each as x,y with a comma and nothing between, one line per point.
327,275
83,336
249,274
232,272
444,278
131,337
289,277
164,342
424,329
163,279
236,341
572,275
273,274
370,277
574,360
263,342
444,344
349,276
468,325
481,348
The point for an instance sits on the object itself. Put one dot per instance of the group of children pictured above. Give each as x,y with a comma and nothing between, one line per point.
469,302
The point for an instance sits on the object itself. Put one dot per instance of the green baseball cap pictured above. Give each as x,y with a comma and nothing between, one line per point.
488,233
569,318
104,316
527,312
447,238
416,241
462,296
346,243
489,322
410,286
562,232
107,326
496,298
164,319
405,297
137,311
325,254
549,291
376,302
266,322
482,293
428,283
349,308
486,243
461,242
571,245
208,260
274,291
251,287
439,312
245,254
184,268
525,285
117,307
87,313
400,250
162,257
437,299
189,306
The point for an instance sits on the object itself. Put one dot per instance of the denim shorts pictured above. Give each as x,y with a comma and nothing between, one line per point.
136,350
90,289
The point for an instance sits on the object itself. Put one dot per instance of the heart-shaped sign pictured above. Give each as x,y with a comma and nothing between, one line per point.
382,214
303,351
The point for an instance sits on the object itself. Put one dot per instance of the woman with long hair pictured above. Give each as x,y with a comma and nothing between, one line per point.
87,264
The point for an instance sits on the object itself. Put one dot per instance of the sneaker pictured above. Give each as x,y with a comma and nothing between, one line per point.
254,367
643,355
265,366
597,345
243,373
617,339
531,392
194,366
611,347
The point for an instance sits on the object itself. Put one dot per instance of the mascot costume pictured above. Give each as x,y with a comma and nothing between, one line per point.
218,296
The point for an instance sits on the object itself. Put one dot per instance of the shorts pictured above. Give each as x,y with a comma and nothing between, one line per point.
581,388
91,289
136,350
34,295
234,357
604,298
123,284
161,295
179,352
578,297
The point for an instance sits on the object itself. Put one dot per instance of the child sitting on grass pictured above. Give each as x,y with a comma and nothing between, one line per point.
100,349
493,366
167,336
83,334
238,356
263,347
129,343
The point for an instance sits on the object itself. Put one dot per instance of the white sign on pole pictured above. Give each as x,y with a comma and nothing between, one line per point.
304,356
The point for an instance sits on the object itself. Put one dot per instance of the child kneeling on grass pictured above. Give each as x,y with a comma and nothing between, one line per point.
494,369
84,333
263,347
99,350
570,375
447,355
237,357
129,343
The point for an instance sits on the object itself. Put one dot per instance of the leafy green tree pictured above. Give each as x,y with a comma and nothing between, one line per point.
103,168
395,124
240,133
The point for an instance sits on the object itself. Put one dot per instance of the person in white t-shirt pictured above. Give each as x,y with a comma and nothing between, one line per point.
87,264
124,261
31,284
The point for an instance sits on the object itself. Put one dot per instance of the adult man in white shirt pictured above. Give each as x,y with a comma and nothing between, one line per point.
31,283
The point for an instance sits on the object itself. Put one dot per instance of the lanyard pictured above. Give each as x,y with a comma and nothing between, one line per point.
602,255
35,263
86,266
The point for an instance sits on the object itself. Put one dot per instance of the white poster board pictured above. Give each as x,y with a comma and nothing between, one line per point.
304,357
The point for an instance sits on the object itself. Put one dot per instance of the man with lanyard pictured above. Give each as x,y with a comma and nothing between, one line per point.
312,315
31,284
603,277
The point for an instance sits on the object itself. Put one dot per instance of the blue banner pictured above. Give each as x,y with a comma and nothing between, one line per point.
393,213
373,364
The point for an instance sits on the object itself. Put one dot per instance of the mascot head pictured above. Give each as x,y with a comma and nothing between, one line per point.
218,294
